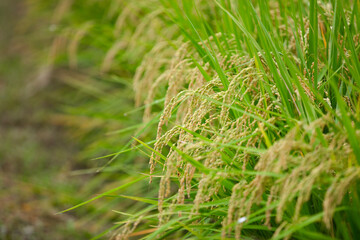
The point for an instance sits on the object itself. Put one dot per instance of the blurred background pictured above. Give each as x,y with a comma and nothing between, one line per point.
37,155
64,104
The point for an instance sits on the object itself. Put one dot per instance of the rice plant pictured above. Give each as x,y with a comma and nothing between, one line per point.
257,111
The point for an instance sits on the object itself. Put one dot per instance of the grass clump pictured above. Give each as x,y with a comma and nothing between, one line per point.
257,107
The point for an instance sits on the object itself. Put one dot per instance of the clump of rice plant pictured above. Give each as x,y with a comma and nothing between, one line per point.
257,106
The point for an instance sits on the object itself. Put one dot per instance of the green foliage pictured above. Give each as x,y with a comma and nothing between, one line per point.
257,108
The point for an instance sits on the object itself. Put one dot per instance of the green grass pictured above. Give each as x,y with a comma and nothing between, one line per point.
256,105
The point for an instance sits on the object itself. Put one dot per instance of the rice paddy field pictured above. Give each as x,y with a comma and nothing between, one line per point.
181,119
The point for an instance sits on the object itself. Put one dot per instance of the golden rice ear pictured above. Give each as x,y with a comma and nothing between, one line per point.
298,159
111,54
128,229
61,9
45,71
337,191
194,107
120,21
150,70
301,173
75,41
